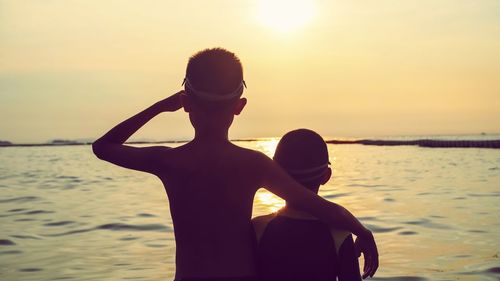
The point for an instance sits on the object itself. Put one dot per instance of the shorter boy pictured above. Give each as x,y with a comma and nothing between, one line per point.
293,245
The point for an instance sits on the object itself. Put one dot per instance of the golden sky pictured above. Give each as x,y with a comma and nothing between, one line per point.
73,69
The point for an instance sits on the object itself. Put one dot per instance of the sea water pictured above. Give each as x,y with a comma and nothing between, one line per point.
65,215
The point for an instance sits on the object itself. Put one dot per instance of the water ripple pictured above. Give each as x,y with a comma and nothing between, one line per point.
37,212
26,237
16,210
495,271
364,185
117,227
428,223
13,252
30,269
400,278
407,233
331,196
141,227
379,229
59,223
492,194
6,242
145,215
21,199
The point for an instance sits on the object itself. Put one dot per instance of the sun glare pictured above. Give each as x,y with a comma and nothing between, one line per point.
286,15
268,146
272,202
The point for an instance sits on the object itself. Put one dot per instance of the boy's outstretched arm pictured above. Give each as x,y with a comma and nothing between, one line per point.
111,148
280,183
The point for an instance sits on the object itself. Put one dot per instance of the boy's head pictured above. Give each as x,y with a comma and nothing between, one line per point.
304,155
215,71
213,87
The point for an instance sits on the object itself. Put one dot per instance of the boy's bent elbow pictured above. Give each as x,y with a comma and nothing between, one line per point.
98,149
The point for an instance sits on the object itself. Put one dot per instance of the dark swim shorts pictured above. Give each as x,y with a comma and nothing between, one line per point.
220,279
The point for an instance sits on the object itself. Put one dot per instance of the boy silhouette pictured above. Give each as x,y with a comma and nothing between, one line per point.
292,244
210,182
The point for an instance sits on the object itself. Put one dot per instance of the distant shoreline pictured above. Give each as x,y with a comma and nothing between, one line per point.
429,143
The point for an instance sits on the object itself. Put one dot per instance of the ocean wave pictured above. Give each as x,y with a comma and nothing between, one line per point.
117,227
21,199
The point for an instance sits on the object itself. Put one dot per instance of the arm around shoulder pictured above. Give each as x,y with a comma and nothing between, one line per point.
280,183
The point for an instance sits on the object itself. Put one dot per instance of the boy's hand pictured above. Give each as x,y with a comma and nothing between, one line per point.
368,247
172,103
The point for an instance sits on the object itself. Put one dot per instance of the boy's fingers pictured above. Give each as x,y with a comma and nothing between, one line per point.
172,103
370,265
374,268
366,266
370,253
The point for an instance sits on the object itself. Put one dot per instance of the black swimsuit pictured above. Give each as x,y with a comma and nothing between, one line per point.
303,249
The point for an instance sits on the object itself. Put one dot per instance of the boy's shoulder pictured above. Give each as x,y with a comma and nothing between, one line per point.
239,156
253,160
246,150
260,224
190,146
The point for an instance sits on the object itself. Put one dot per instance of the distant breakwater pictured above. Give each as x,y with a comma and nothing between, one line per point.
425,143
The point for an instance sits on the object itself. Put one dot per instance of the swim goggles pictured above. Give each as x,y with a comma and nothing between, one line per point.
309,174
214,97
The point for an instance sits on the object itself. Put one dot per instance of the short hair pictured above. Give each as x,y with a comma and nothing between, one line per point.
215,70
300,150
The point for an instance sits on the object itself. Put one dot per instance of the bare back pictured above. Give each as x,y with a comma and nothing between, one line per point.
211,190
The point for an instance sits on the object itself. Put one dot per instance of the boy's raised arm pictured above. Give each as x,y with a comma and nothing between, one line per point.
280,183
111,148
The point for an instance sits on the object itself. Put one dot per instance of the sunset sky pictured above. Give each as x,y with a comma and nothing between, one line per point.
73,69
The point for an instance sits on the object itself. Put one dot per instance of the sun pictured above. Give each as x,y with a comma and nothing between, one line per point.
286,15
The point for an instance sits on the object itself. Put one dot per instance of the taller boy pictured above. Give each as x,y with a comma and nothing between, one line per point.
211,182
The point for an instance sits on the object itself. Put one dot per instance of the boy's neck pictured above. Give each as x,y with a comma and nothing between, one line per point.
314,189
213,136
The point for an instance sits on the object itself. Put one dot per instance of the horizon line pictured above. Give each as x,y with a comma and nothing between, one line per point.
421,142
68,141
